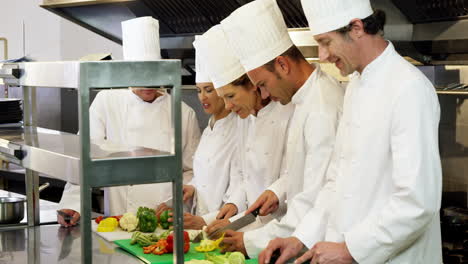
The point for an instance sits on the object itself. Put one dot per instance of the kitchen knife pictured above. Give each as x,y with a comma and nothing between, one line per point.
238,224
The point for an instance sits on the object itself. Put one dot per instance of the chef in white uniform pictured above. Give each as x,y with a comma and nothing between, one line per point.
385,177
259,35
258,159
136,117
212,160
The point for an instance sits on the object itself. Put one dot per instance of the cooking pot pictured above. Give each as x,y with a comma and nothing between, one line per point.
12,208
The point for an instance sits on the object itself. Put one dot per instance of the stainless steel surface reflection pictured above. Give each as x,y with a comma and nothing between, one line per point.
55,244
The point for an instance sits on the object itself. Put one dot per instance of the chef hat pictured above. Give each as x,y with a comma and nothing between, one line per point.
140,39
219,60
201,74
257,32
326,16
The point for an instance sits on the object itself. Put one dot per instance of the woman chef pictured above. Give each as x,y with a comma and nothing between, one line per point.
257,161
136,117
212,160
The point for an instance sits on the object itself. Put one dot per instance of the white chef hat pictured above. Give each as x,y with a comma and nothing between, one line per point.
200,67
326,16
257,32
220,62
140,39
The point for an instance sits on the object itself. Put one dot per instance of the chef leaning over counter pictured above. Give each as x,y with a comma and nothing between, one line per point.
212,162
385,176
136,117
258,34
257,159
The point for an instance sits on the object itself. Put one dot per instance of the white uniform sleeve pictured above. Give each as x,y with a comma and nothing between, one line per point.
235,193
97,117
280,186
71,197
190,140
417,181
320,130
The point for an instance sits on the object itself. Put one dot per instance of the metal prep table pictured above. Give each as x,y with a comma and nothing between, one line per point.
54,244
74,158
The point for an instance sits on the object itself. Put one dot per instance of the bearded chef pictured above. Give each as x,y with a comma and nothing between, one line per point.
137,117
386,180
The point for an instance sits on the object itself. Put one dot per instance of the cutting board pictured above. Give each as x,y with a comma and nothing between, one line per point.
137,251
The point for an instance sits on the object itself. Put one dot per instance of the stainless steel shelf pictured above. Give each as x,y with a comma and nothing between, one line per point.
57,154
453,92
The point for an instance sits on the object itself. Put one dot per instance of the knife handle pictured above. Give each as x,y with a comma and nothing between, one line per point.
256,212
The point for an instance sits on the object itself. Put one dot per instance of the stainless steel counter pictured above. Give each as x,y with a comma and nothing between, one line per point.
55,244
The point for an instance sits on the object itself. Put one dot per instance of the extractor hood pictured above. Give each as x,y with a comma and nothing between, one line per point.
430,31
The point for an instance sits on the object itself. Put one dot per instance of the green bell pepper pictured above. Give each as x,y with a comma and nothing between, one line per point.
147,221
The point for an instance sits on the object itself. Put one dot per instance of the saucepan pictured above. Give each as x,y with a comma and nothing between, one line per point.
12,208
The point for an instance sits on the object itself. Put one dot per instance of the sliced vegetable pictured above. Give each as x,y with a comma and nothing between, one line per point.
207,245
158,249
228,258
198,261
107,225
128,222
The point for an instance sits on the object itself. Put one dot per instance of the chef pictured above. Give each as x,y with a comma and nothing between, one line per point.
136,117
258,34
386,176
212,160
257,162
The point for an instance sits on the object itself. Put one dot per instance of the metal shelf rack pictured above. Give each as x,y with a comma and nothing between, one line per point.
73,157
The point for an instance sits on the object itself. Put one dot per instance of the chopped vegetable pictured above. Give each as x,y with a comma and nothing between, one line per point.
207,245
170,242
228,258
158,249
107,225
217,259
128,222
198,261
147,221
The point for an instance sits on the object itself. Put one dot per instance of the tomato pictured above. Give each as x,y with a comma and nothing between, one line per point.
98,219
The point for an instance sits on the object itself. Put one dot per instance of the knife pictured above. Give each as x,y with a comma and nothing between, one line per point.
238,224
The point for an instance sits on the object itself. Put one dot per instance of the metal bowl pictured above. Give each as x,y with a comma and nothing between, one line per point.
11,210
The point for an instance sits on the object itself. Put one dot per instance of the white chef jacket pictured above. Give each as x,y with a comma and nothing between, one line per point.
386,173
212,164
261,147
318,107
120,116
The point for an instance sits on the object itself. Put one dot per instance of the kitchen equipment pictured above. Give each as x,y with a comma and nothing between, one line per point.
137,251
12,208
238,224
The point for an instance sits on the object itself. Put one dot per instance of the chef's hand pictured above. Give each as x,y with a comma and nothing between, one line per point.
161,208
268,203
227,211
191,221
75,218
289,247
327,253
234,241
215,225
188,192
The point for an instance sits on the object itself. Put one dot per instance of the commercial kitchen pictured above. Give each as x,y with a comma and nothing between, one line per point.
56,56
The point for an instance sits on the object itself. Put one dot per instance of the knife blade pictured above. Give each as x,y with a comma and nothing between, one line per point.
238,224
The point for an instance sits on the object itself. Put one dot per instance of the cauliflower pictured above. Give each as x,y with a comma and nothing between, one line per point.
128,222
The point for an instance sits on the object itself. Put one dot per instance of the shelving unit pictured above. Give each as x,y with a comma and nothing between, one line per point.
74,158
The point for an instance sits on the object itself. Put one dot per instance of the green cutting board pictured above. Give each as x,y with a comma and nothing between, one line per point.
137,251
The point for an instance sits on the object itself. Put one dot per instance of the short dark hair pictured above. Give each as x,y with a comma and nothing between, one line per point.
293,52
373,24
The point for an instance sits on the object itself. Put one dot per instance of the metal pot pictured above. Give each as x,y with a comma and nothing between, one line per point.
12,208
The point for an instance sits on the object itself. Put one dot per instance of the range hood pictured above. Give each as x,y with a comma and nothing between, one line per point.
429,31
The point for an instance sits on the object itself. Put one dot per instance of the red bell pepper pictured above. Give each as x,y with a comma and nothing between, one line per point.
99,219
170,242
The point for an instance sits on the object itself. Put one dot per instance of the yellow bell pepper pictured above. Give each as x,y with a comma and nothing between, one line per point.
207,245
108,225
